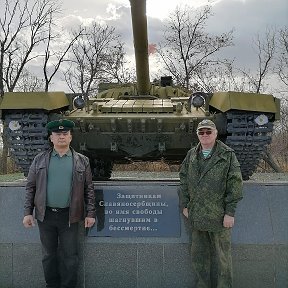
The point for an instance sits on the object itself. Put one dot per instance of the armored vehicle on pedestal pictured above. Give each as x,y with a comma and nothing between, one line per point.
142,121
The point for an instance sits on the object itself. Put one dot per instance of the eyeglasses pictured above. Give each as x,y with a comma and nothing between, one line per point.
208,132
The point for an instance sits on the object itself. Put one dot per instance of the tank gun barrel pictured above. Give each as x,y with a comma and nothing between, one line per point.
140,35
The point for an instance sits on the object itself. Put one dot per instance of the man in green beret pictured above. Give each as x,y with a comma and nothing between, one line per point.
59,190
210,188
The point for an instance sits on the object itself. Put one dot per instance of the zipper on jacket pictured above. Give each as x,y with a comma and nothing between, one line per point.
72,182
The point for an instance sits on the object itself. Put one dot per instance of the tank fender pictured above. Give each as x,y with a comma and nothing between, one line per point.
225,101
34,100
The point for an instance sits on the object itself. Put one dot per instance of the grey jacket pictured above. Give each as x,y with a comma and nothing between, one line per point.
82,197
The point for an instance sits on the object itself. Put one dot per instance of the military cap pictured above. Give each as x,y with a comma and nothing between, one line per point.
60,125
206,123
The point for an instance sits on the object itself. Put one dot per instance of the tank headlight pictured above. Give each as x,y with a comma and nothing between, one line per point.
79,102
14,125
197,100
261,120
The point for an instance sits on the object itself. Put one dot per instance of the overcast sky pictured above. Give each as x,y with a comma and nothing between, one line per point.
246,17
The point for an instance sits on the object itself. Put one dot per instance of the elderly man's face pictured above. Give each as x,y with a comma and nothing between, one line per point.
207,137
61,139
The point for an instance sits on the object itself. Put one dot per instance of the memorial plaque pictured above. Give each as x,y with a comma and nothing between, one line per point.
137,211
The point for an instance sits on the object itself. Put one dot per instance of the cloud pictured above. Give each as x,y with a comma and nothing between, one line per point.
72,21
248,18
100,9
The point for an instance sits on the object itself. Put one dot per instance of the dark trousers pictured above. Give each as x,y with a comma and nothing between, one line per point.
59,249
211,259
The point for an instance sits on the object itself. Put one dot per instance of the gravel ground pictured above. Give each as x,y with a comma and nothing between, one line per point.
257,177
269,177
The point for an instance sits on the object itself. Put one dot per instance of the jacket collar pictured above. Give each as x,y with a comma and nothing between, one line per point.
218,153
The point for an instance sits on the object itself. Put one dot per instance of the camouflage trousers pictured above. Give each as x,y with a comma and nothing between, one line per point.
211,259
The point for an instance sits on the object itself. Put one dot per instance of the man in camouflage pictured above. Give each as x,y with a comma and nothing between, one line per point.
210,188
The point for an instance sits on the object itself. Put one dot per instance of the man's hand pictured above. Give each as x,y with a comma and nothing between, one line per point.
228,221
89,222
185,212
28,221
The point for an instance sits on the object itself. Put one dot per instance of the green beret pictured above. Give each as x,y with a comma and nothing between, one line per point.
60,125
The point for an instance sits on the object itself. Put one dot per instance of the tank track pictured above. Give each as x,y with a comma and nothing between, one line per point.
248,139
101,169
27,136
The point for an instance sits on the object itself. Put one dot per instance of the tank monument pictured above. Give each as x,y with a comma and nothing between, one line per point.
139,121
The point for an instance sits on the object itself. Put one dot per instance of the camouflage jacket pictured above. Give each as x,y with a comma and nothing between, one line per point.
212,189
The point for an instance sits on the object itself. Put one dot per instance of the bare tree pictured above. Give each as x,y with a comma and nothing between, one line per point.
29,82
279,145
282,58
8,34
24,26
278,149
116,67
266,52
89,58
188,50
54,58
217,77
265,48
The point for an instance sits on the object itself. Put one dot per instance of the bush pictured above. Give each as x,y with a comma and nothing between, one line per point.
11,166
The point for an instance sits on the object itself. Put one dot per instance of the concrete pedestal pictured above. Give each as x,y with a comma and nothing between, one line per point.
259,239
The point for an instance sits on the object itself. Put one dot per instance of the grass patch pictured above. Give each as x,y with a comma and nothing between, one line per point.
11,177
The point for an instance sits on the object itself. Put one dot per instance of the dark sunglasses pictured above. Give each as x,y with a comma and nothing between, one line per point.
208,132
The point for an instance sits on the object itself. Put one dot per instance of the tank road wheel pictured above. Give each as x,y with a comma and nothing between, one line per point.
249,135
101,169
26,136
